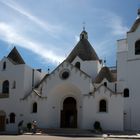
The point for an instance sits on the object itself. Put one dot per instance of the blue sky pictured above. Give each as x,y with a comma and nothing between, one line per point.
45,31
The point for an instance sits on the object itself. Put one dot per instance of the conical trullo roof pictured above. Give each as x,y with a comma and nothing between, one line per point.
83,49
136,23
105,73
15,57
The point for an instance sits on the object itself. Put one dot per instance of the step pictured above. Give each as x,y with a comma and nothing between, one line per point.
68,131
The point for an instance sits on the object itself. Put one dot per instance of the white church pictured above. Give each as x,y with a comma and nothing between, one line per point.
78,92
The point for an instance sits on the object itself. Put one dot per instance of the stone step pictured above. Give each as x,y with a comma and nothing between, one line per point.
68,131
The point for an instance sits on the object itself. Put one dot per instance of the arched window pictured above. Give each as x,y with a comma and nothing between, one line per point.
12,117
5,87
78,65
105,84
137,47
82,36
4,65
126,92
34,107
102,106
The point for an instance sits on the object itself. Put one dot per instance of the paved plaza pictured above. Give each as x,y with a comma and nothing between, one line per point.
46,137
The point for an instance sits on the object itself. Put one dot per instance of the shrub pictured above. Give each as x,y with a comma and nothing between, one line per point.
97,126
29,125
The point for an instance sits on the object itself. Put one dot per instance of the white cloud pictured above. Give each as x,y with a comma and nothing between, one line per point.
51,28
76,38
9,34
109,19
116,24
103,47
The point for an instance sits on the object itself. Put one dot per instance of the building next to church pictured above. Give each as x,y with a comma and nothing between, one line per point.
78,92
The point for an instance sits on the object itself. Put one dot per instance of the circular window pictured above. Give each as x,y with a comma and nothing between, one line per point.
64,74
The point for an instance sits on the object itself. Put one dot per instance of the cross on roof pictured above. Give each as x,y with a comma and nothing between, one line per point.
84,24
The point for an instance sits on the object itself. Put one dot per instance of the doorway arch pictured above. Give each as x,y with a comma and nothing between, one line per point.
69,113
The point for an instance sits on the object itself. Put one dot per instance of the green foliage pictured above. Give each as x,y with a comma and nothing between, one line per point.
97,126
29,125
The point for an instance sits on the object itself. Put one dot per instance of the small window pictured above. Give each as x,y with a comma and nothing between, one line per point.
4,65
137,47
65,75
105,84
5,87
14,84
126,93
78,65
12,117
34,108
102,106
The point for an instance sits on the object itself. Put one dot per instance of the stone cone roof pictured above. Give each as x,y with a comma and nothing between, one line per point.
15,57
105,73
135,25
83,50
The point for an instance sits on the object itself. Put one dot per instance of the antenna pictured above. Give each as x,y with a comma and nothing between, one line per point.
84,26
48,70
105,61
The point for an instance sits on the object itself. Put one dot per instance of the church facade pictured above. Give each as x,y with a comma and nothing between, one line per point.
78,93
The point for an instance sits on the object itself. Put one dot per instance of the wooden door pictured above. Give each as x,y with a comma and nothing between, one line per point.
2,123
69,114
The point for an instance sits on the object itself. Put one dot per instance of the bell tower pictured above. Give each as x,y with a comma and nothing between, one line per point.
84,34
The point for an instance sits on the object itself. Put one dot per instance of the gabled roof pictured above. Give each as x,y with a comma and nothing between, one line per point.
102,85
36,92
135,25
42,81
83,50
47,75
15,57
38,88
105,73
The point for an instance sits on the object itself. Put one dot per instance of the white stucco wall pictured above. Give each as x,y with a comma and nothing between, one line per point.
31,78
132,37
128,77
133,81
78,87
122,113
91,67
22,75
110,120
56,90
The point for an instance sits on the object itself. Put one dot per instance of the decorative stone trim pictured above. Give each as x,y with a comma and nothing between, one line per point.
64,74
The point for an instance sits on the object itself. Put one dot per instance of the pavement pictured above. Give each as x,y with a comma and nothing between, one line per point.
92,135
53,135
46,137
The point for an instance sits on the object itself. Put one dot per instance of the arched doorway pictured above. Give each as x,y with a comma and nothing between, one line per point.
2,120
69,113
